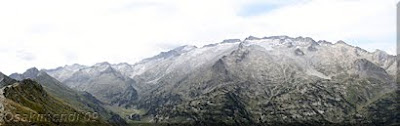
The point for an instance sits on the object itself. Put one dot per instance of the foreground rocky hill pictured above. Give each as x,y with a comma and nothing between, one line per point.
81,101
27,103
271,80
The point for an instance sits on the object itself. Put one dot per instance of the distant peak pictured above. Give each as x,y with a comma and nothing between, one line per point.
184,48
283,37
231,41
278,37
269,37
211,45
341,42
123,63
103,64
381,52
306,39
191,46
172,53
324,42
32,70
76,65
252,38
287,41
30,73
73,65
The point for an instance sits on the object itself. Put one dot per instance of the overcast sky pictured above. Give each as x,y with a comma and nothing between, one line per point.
52,33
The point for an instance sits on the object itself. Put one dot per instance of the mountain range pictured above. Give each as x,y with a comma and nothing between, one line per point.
270,80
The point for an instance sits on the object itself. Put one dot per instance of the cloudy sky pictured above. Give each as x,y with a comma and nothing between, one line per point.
52,33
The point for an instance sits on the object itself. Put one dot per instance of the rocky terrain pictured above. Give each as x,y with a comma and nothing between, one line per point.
27,103
101,80
270,80
81,101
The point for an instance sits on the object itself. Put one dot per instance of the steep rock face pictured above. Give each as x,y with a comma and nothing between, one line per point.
366,68
154,67
231,40
30,73
124,68
62,73
180,65
105,83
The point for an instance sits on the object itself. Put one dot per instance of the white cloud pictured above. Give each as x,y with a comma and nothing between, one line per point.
55,33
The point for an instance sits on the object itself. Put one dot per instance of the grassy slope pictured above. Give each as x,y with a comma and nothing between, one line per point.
79,100
29,97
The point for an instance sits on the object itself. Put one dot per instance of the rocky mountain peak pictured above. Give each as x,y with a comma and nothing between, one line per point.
324,42
252,38
379,52
341,42
174,52
284,38
269,43
381,55
123,64
184,48
74,66
278,37
306,39
102,67
102,64
231,40
30,73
